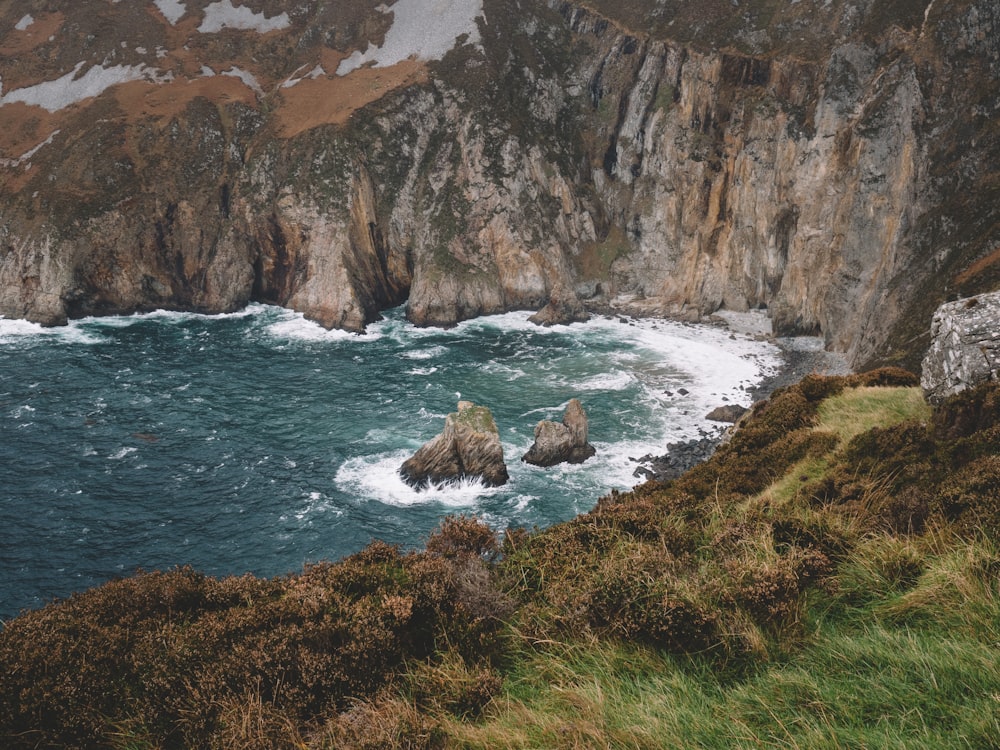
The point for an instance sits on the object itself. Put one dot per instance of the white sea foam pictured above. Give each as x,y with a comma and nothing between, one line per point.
521,502
14,331
377,478
607,381
424,29
428,353
223,14
294,326
316,504
417,371
122,453
424,414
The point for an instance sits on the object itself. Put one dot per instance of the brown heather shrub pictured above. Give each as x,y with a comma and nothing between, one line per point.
971,496
770,590
186,657
815,388
886,377
385,723
638,597
973,410
462,535
247,722
452,686
744,468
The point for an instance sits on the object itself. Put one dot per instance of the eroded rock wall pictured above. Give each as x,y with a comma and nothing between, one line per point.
832,163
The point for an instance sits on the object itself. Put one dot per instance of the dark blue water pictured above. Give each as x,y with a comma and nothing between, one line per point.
259,442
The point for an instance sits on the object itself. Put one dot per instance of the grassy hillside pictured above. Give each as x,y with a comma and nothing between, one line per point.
831,578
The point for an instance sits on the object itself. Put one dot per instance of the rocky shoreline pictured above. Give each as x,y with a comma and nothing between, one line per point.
801,356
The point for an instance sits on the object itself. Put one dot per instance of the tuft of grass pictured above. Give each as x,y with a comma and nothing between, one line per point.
859,410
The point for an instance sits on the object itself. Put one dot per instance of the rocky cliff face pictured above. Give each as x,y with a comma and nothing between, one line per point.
833,162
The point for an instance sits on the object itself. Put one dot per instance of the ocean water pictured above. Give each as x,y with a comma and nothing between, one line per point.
258,441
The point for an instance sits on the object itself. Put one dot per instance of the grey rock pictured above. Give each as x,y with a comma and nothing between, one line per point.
561,442
468,447
965,346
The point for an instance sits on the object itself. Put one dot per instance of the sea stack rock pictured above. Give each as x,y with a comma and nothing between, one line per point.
965,346
564,442
468,447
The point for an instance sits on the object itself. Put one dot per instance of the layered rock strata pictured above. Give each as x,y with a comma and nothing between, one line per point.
561,442
467,448
833,162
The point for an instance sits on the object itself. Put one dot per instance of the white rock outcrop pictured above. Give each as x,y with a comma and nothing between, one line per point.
965,346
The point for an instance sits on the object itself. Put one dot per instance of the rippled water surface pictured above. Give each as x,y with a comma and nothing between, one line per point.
259,442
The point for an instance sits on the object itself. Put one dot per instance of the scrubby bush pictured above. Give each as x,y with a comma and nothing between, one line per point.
180,656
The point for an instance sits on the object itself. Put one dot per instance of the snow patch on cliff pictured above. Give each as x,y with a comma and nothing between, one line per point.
425,29
24,23
247,77
316,72
223,14
26,156
72,88
172,10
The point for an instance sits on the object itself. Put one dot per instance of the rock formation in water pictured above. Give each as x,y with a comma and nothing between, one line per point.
561,442
468,448
965,347
833,161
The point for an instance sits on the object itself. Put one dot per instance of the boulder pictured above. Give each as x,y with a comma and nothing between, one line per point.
965,346
729,413
468,447
561,442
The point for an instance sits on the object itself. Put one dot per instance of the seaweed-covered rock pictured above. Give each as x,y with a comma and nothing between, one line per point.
561,442
468,447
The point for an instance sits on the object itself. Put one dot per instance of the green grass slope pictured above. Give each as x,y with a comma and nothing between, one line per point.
830,578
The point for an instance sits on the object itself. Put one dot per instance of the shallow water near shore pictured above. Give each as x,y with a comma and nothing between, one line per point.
258,441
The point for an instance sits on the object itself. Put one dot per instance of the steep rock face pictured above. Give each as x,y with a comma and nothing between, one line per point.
468,447
798,161
833,162
965,347
753,182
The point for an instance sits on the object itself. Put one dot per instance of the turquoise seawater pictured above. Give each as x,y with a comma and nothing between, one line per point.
259,442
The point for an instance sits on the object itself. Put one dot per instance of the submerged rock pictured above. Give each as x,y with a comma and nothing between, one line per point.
965,346
564,442
468,447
